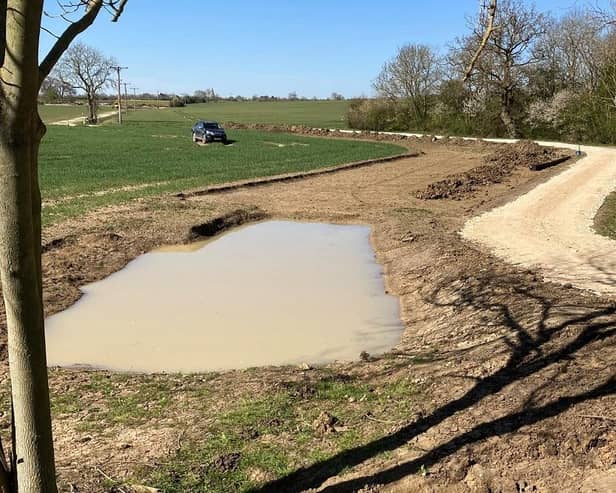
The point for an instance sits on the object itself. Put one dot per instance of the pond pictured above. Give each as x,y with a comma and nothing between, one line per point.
271,293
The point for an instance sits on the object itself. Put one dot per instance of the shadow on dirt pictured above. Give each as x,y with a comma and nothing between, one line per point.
552,334
602,270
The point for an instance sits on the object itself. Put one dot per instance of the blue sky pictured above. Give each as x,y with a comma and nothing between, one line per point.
271,47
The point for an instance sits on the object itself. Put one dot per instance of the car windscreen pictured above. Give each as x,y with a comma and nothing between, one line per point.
211,125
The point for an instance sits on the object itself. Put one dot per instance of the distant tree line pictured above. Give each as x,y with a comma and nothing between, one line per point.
57,90
539,76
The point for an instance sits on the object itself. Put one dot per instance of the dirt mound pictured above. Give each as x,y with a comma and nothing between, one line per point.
357,134
524,153
497,166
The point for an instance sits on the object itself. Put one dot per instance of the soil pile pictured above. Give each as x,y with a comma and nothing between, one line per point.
357,134
524,153
497,166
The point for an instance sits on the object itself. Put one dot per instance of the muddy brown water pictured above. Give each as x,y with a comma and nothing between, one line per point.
272,293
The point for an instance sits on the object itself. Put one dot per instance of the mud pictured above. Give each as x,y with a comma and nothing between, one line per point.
273,293
224,223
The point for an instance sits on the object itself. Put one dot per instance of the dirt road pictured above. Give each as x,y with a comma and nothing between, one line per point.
81,119
551,227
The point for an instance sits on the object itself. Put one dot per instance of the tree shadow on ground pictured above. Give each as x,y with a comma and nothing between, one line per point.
540,332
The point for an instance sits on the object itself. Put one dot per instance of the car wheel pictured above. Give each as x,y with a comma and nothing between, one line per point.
194,137
225,141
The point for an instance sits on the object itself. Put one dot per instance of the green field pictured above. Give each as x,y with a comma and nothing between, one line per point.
83,168
328,114
55,112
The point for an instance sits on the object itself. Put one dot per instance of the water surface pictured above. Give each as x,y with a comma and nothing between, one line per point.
271,293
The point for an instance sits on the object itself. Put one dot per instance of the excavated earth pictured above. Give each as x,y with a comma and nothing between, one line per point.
516,374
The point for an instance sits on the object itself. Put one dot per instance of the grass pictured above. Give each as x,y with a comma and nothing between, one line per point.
234,438
133,405
272,435
329,114
53,113
605,221
84,168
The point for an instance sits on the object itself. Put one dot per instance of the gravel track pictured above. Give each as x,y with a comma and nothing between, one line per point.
551,227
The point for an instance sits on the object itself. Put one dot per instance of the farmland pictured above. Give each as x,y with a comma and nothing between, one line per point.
288,428
55,112
83,168
329,114
272,428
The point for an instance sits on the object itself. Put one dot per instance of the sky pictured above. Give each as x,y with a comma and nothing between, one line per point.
273,47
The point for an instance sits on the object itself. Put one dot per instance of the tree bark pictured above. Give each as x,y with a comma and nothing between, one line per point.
22,290
506,90
92,116
505,114
20,245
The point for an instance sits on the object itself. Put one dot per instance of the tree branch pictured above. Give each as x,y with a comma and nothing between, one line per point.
3,9
118,10
67,38
484,41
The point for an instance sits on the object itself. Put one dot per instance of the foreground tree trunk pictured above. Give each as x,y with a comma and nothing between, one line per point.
21,130
33,456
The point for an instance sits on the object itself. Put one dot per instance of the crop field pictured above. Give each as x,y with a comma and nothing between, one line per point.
55,112
83,168
328,114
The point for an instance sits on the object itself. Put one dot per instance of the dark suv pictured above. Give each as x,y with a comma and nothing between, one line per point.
205,131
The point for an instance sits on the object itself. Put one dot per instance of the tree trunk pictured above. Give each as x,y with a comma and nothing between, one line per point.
510,127
505,114
92,116
507,99
20,246
20,270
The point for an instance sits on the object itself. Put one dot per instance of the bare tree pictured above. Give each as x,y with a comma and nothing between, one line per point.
414,74
572,49
85,68
31,467
501,54
53,89
205,95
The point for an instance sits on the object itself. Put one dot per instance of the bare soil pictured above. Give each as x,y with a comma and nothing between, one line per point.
516,374
498,165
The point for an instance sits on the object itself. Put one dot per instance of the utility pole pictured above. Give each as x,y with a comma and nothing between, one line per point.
119,69
125,84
